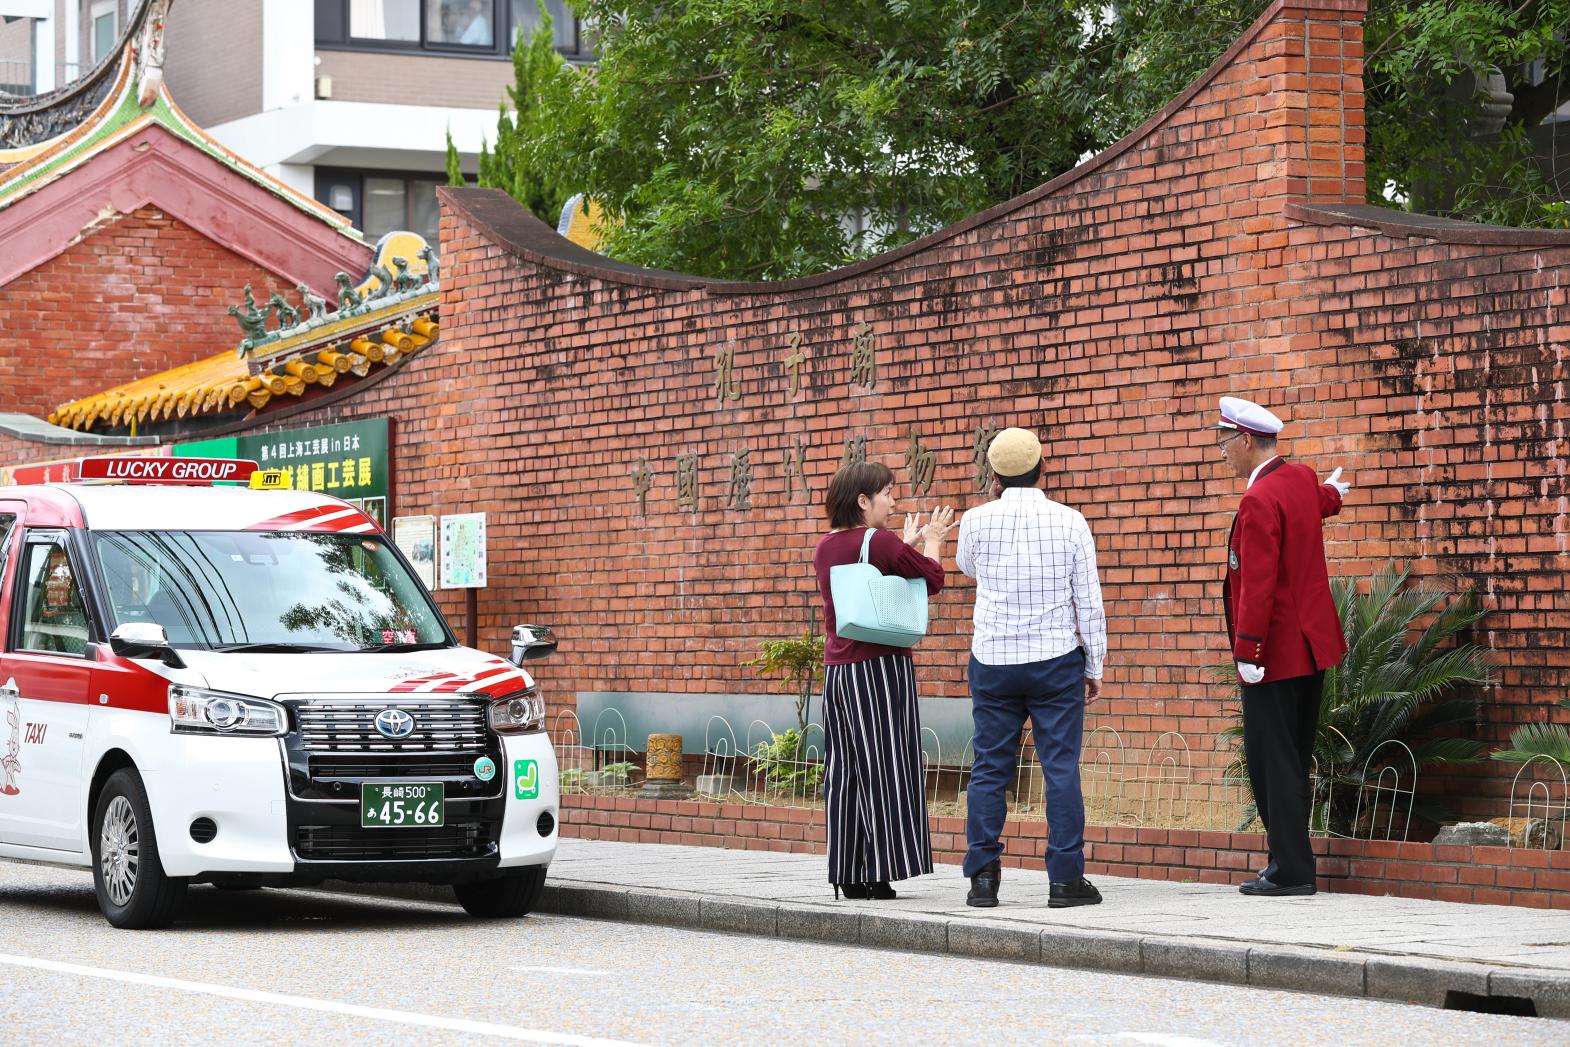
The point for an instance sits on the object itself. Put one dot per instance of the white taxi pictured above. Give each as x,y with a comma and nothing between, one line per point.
249,688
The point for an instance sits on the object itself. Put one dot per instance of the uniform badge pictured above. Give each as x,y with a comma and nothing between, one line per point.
1232,560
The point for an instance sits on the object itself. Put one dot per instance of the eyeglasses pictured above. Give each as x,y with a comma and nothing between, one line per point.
1222,443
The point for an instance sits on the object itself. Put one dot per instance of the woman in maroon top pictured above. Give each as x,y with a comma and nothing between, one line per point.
872,784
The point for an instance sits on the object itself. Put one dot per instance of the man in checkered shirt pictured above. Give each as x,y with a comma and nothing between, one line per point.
1040,639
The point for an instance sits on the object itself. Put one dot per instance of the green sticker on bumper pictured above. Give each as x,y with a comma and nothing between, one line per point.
526,779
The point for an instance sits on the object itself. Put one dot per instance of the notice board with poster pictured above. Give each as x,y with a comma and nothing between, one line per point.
352,460
416,536
462,551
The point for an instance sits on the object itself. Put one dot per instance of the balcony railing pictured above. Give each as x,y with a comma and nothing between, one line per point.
16,76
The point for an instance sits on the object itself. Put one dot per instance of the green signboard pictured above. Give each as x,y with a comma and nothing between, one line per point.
350,459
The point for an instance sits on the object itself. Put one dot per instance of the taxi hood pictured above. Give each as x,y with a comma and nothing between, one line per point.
450,670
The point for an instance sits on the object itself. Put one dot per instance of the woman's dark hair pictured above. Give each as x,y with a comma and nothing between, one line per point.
849,484
1029,479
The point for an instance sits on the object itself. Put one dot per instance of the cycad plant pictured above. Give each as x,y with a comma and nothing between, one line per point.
1398,682
1532,740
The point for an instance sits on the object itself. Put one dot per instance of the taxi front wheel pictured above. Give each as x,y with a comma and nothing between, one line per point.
128,878
509,895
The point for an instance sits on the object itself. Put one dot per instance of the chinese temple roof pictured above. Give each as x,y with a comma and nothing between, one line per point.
390,315
42,139
114,141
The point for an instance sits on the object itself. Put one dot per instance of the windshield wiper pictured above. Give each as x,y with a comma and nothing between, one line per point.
271,648
383,648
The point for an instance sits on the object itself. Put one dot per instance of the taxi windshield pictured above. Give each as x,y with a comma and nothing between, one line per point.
260,590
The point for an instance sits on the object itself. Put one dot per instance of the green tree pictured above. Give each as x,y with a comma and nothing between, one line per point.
1442,138
765,139
454,165
515,165
735,137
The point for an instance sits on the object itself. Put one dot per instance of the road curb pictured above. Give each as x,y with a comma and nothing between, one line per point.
1326,972
1335,972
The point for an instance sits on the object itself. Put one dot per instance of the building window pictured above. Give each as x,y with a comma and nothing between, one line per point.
385,20
461,23
103,21
482,28
380,202
564,26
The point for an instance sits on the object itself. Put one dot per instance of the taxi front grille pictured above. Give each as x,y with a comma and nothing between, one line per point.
376,765
440,726
347,843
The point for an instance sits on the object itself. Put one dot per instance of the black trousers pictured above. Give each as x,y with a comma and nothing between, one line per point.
874,785
1280,720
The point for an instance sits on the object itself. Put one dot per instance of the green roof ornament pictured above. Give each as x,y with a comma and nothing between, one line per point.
348,298
288,315
253,321
428,256
314,304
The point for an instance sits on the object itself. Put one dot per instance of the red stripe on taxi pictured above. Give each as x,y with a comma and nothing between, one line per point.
331,519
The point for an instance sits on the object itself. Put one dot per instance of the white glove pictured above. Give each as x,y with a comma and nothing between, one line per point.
1341,486
1250,674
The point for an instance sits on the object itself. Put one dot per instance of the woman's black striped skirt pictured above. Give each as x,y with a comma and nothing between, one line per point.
872,780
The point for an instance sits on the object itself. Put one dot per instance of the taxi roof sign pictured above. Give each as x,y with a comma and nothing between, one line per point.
197,471
272,480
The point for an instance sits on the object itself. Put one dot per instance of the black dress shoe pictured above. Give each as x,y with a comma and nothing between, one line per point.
881,891
1267,888
983,892
1066,895
851,890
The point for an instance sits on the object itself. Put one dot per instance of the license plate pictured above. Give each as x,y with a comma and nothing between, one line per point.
402,805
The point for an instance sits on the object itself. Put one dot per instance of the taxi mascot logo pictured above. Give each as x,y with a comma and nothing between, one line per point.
12,761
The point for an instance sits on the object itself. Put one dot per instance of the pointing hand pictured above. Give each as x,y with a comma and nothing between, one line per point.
1341,486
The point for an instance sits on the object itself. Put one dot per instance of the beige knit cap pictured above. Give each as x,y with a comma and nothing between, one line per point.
1014,452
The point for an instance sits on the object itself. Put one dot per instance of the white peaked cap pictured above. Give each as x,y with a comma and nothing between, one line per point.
1247,417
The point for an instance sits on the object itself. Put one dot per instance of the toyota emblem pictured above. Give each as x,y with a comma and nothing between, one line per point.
394,723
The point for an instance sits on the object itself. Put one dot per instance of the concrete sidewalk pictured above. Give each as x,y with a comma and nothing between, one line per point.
1389,948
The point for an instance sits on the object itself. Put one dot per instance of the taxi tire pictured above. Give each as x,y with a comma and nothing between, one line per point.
507,896
155,897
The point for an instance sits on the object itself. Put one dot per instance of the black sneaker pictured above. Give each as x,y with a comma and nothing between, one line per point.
983,892
1079,892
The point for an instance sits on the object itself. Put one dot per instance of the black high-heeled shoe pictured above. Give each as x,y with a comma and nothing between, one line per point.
881,891
851,890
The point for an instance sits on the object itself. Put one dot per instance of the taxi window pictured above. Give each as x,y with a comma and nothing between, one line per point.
54,618
217,589
7,522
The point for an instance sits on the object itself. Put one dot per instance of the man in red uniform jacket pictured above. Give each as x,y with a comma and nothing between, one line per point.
1284,631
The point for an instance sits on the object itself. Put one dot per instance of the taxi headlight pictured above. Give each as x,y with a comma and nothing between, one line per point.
518,712
193,710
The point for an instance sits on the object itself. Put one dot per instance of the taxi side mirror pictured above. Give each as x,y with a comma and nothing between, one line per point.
530,642
144,640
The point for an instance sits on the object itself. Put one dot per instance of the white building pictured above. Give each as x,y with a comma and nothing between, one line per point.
349,101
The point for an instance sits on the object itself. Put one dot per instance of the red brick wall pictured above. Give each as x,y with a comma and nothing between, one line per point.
1217,250
137,296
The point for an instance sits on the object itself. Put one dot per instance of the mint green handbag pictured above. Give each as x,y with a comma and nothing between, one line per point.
876,608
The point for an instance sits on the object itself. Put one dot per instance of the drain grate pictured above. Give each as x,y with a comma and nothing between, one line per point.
1519,1006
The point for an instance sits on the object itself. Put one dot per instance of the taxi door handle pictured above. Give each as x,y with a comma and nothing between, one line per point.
9,689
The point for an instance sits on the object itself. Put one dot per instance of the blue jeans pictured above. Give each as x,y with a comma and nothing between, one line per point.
1052,695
